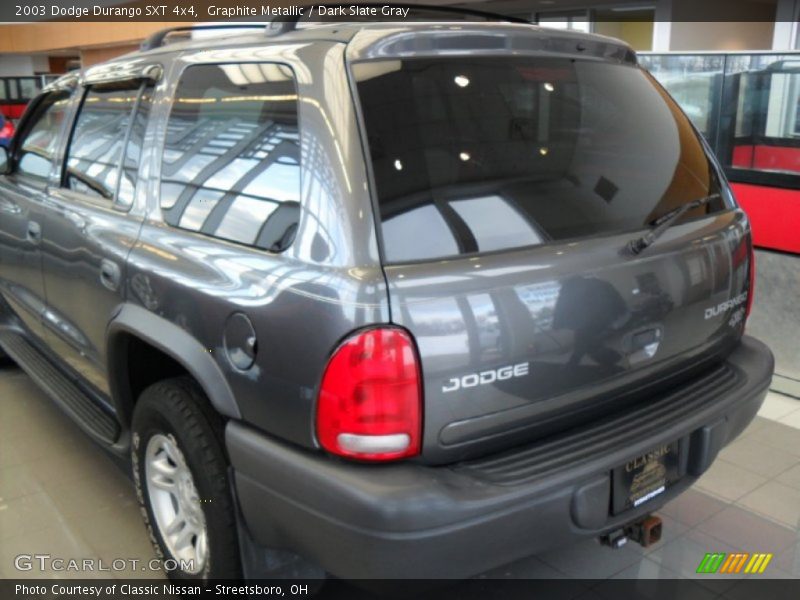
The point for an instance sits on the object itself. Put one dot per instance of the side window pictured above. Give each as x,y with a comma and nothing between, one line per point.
133,149
40,140
98,138
231,165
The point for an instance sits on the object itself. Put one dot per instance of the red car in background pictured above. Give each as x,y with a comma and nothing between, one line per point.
15,93
6,131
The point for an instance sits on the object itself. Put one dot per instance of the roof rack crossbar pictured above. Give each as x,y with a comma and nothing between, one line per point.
157,39
287,23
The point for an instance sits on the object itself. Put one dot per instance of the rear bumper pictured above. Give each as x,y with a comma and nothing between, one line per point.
410,520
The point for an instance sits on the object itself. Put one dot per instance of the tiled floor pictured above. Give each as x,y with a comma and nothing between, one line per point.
62,496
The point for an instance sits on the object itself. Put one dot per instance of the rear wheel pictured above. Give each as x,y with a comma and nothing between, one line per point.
181,475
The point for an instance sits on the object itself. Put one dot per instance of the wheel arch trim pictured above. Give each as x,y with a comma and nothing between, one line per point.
173,341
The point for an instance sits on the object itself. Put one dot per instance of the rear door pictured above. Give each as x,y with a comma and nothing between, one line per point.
90,227
508,189
23,194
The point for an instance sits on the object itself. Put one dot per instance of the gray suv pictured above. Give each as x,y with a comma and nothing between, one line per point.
403,300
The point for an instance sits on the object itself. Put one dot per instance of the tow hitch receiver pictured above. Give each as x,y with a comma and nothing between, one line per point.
646,531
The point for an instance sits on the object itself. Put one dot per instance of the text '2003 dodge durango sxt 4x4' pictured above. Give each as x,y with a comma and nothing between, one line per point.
403,300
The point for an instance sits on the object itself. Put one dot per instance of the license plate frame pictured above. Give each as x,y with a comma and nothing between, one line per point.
646,477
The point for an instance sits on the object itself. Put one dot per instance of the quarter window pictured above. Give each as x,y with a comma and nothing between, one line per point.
39,144
231,164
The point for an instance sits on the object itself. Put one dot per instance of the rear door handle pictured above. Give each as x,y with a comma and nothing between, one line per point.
34,233
110,274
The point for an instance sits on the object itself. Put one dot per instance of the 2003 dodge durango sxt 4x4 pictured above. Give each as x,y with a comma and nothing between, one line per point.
403,300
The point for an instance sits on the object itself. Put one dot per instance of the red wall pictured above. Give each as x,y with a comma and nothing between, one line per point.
12,111
774,215
767,158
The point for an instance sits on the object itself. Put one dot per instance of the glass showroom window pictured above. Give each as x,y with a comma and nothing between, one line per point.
746,105
695,81
573,20
764,108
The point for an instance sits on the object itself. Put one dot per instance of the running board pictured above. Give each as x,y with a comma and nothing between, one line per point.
97,422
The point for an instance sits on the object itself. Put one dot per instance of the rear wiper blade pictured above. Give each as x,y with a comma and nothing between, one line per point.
661,224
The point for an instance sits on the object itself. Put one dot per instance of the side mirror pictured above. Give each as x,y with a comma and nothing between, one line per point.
5,162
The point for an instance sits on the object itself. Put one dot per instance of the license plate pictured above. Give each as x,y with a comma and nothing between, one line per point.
645,477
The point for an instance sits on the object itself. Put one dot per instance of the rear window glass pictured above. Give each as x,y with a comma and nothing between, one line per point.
491,154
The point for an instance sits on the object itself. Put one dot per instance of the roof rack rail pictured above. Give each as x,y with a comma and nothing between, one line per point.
284,24
288,23
157,39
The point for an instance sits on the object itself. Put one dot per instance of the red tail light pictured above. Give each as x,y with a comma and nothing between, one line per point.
7,130
370,400
751,288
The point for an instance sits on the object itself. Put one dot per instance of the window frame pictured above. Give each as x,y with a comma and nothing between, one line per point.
179,76
84,90
24,128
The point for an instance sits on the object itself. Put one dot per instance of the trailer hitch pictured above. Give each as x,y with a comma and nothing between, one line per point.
645,531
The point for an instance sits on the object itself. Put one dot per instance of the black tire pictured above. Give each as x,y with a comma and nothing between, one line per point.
178,408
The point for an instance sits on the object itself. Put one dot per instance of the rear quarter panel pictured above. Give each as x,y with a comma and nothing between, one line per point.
301,302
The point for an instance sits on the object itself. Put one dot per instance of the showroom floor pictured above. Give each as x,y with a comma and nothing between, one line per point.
61,496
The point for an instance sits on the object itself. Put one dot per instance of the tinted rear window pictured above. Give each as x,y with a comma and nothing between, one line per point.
491,154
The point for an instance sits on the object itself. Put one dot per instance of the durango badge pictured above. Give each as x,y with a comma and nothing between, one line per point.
713,311
485,377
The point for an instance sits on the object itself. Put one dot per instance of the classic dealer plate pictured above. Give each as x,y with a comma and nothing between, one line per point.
645,477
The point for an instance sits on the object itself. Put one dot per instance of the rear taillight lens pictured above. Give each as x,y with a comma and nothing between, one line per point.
7,130
370,399
751,287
